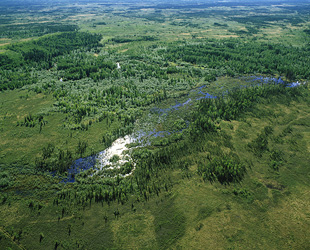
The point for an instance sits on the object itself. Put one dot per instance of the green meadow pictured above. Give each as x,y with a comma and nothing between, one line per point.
220,151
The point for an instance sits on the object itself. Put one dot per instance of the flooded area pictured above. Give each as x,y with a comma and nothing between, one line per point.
112,158
115,157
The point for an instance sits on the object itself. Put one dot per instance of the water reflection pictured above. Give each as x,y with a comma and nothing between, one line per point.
118,153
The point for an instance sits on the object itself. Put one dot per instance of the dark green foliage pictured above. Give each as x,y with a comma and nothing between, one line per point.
231,106
220,25
153,201
287,130
260,20
244,193
114,158
259,145
223,169
33,120
276,159
31,30
77,69
41,236
54,159
81,148
15,79
57,243
127,168
237,58
46,48
268,130
5,179
15,64
132,39
10,60
47,151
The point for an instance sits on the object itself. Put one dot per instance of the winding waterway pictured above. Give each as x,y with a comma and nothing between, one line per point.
119,152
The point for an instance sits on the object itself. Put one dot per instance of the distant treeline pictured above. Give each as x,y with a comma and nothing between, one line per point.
133,39
235,57
32,29
17,62
46,48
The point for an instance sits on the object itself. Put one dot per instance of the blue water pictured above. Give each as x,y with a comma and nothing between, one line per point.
200,95
158,133
178,105
80,165
263,79
293,84
205,96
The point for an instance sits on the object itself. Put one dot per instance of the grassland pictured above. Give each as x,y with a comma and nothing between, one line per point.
29,141
269,209
166,202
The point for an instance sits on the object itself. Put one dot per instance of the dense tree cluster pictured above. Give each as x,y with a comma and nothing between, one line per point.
32,30
132,39
76,68
229,107
58,160
16,65
237,57
224,169
15,79
46,48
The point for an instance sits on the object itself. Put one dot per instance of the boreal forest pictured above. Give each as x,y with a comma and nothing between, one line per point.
155,124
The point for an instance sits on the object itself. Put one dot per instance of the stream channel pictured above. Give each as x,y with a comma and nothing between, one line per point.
118,154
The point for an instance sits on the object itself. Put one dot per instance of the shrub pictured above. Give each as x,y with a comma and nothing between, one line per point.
4,180
223,169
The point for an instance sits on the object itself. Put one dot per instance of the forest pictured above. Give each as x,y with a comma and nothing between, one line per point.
154,126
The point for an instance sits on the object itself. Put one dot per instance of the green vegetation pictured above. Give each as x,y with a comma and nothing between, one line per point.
21,57
234,57
33,30
225,170
219,146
